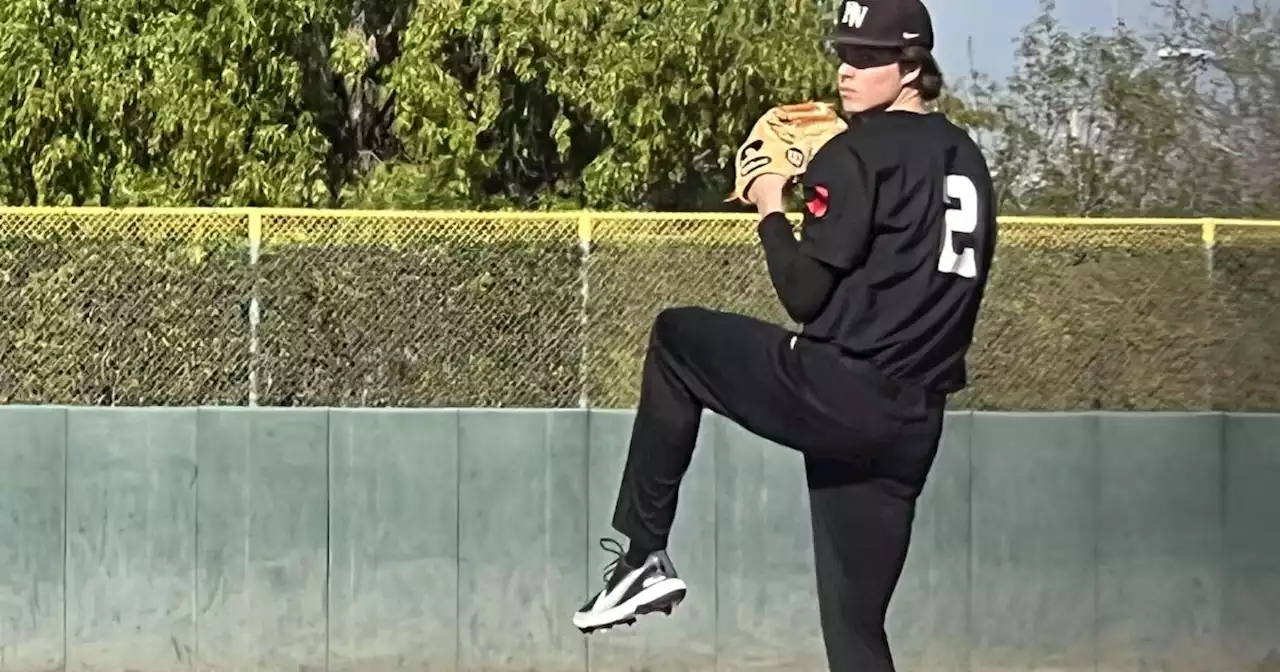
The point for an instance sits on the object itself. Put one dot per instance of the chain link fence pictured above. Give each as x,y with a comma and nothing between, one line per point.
123,308
333,308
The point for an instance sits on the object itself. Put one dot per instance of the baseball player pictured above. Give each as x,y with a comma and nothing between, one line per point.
887,275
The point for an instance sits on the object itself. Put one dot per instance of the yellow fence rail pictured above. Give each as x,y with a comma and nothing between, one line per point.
184,306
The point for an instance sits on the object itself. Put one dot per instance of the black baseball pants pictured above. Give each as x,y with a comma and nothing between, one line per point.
868,444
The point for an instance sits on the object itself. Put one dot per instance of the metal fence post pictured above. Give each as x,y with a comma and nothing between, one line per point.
585,231
255,246
1209,234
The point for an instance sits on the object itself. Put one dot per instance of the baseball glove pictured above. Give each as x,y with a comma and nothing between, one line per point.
782,142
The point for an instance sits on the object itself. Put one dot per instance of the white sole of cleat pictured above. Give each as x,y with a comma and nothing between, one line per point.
662,597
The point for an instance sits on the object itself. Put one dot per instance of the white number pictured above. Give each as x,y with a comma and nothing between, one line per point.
963,219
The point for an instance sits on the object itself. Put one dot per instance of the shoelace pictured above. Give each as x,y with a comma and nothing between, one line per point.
613,546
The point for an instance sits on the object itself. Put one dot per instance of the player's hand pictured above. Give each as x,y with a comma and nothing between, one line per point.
766,192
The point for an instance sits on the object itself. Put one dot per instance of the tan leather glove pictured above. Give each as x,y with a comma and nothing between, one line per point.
782,142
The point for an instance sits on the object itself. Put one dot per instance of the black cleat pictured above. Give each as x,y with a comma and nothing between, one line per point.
631,591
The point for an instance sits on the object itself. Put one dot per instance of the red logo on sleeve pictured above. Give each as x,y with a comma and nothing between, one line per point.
817,201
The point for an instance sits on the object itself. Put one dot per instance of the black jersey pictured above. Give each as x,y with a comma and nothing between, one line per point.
902,203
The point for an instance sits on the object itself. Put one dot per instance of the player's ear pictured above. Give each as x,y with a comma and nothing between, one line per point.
910,74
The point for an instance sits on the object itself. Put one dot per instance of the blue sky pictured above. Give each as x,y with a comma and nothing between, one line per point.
994,24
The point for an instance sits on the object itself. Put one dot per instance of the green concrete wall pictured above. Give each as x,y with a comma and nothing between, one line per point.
314,539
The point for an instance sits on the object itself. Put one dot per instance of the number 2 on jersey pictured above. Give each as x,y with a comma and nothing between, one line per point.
961,219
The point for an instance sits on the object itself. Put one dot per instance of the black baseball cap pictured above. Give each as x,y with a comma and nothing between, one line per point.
882,23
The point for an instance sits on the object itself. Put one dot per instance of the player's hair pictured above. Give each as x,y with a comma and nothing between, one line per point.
930,81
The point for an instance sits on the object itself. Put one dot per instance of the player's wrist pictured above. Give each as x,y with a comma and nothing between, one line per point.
767,194
775,219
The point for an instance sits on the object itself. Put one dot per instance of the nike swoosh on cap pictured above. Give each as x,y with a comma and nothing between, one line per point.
910,36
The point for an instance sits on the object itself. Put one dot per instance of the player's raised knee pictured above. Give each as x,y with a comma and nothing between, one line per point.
670,322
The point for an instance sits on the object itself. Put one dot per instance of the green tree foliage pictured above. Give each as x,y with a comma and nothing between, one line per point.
473,103
1232,63
614,103
1086,125
1099,123
150,102
626,104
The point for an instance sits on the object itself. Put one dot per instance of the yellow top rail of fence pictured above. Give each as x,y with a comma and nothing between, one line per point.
281,225
553,215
